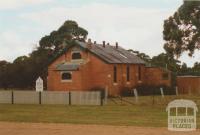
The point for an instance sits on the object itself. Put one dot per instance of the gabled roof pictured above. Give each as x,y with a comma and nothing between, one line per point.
111,54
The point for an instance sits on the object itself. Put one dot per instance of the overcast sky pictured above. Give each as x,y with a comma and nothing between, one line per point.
135,24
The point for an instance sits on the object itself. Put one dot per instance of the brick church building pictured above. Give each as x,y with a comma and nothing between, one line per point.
86,66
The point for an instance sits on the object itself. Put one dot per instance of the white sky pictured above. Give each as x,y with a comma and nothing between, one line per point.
135,25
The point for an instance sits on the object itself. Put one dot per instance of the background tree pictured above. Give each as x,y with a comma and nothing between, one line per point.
4,77
24,70
165,61
182,30
57,40
141,55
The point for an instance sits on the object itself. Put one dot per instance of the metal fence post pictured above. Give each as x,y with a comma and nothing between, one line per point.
12,97
69,98
102,97
40,97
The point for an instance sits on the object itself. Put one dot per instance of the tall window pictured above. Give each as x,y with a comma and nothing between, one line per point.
66,76
139,73
128,73
115,74
76,56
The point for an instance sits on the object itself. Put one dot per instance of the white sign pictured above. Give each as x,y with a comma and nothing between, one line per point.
180,122
39,85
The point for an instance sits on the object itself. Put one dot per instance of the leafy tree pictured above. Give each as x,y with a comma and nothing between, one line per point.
143,56
165,61
4,78
57,40
182,30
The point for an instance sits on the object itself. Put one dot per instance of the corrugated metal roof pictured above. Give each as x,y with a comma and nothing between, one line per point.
67,67
112,55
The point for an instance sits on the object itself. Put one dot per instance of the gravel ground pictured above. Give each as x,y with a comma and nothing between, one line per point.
9,128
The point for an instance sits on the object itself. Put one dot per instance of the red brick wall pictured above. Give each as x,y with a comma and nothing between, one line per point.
54,81
188,85
95,73
154,76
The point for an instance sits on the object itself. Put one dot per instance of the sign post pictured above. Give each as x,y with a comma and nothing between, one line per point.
39,88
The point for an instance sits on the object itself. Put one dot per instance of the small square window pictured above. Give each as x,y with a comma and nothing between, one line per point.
66,76
76,56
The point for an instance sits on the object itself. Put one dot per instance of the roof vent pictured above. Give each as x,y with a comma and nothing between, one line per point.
108,43
104,44
117,46
95,42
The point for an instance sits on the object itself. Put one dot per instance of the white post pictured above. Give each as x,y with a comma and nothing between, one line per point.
106,95
176,91
162,93
136,95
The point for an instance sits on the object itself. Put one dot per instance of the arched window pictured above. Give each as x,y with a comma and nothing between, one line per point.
66,76
128,73
76,56
139,73
115,74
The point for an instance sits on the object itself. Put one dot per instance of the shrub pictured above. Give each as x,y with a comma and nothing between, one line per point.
126,92
145,90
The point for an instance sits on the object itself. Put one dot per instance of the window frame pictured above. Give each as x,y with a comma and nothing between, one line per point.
66,80
76,52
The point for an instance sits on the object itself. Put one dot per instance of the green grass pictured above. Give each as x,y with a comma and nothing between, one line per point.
119,112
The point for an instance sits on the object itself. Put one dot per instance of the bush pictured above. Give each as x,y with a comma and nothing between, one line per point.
126,92
145,90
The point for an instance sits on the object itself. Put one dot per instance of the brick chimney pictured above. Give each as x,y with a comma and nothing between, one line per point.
89,44
117,46
104,44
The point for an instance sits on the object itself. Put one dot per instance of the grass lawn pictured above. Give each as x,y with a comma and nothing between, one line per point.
117,112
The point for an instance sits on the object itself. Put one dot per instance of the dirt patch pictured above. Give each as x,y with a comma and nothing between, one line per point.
7,128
